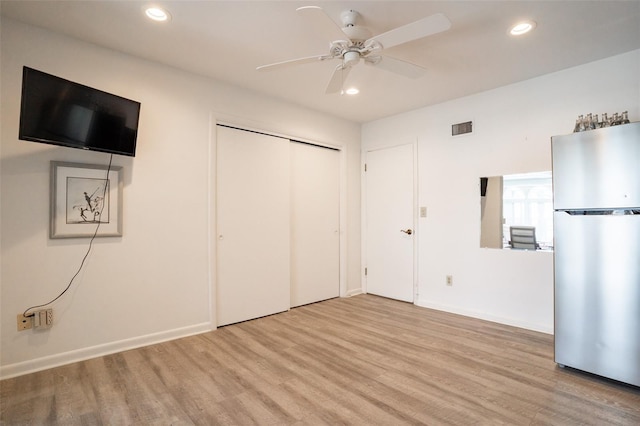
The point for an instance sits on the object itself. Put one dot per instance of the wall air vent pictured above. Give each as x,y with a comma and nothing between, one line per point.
462,128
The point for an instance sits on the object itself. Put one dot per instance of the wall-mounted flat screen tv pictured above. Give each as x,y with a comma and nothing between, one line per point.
60,112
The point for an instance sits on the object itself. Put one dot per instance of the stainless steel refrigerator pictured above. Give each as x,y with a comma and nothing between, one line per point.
596,197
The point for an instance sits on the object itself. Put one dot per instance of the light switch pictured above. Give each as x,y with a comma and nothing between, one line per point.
423,212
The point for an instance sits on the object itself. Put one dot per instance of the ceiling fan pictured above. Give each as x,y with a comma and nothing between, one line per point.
352,42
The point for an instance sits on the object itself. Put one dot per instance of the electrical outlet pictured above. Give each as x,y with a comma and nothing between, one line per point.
24,323
449,280
43,319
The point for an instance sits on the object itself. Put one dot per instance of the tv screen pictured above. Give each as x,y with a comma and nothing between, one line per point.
61,112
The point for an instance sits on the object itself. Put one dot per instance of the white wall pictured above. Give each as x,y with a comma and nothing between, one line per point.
513,126
156,282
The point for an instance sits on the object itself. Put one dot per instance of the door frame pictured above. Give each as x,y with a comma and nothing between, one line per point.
363,216
216,119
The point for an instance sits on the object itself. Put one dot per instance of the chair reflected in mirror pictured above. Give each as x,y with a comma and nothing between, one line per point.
523,237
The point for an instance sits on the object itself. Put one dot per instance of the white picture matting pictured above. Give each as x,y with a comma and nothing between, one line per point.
84,200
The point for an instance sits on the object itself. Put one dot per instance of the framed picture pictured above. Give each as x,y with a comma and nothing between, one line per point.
84,199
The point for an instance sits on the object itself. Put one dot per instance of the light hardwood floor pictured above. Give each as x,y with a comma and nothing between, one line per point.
364,360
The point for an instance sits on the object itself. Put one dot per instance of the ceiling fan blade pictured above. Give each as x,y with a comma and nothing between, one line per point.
422,28
337,79
322,23
397,66
290,62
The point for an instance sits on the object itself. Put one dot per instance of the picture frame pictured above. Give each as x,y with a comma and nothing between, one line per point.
85,201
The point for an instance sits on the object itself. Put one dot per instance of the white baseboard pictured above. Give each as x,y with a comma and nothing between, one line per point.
353,292
51,361
485,316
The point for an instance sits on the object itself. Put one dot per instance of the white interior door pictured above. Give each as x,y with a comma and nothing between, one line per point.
390,222
315,214
253,267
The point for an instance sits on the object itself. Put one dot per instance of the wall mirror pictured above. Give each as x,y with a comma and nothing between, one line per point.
516,211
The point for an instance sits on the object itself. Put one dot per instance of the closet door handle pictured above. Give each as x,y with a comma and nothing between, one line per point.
408,231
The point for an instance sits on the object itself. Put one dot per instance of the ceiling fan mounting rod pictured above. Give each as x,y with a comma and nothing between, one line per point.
349,18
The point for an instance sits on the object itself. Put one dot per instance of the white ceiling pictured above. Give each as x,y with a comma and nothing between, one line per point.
227,40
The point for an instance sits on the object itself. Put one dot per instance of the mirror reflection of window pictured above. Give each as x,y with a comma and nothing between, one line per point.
528,200
516,200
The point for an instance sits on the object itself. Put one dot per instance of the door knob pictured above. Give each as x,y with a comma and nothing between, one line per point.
408,231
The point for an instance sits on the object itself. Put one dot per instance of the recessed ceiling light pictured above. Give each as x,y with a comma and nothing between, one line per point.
522,28
352,91
157,14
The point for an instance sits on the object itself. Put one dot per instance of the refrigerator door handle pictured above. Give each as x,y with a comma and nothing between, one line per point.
602,212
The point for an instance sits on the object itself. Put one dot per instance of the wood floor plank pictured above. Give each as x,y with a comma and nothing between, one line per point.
353,361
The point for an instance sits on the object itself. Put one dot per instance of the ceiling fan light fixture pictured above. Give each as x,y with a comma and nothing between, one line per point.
157,14
522,27
351,58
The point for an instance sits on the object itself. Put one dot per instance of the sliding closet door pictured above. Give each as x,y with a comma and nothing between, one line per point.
253,209
315,212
